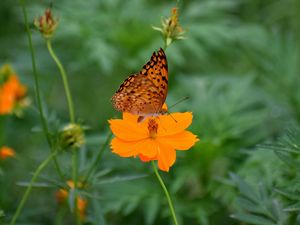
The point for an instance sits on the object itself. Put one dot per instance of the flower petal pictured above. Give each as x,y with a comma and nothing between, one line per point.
150,148
146,159
127,129
124,148
147,147
181,141
173,123
166,157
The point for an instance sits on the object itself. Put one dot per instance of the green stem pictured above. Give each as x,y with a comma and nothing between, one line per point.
75,180
60,215
29,188
98,158
2,128
65,80
37,89
72,120
166,193
165,45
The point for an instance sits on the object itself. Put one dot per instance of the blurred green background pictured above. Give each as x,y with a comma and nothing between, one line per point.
239,66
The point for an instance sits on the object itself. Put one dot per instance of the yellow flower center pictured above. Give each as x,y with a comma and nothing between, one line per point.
152,127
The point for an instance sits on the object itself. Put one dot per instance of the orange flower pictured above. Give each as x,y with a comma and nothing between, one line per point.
156,138
10,92
62,195
6,152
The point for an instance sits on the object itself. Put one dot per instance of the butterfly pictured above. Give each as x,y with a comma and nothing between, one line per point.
145,92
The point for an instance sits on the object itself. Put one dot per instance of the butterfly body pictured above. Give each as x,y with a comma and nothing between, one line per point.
145,92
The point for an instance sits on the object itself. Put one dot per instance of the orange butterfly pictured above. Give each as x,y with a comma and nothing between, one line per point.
145,92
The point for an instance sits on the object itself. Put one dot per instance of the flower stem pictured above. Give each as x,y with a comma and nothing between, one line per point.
166,193
2,128
29,188
65,80
98,158
37,89
72,120
75,180
165,45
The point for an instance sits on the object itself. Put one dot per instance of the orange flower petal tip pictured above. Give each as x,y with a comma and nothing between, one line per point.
156,138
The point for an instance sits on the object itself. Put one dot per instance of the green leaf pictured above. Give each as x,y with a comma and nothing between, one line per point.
257,220
293,208
98,214
71,199
132,205
152,208
120,179
248,205
245,189
36,184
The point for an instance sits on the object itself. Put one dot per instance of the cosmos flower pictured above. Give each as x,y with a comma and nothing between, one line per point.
156,138
12,92
6,152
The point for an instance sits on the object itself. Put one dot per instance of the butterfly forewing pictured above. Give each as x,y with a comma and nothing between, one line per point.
145,92
157,71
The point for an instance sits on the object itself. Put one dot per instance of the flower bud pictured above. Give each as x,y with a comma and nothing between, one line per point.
46,24
72,135
170,28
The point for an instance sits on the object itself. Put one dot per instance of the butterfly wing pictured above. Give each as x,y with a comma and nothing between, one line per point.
157,71
137,95
144,93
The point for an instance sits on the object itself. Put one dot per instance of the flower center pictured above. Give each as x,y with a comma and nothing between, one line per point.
152,127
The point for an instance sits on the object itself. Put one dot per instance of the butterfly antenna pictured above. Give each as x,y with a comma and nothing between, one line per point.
179,101
172,116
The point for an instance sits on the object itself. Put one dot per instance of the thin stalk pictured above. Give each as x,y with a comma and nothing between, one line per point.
60,215
75,180
98,158
165,45
37,89
166,193
72,120
29,188
65,80
2,128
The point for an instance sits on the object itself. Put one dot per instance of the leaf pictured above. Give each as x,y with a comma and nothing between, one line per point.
132,205
152,208
293,208
102,173
287,194
36,184
258,220
98,214
248,205
245,189
120,179
71,199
